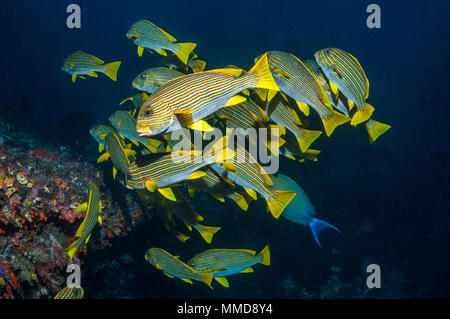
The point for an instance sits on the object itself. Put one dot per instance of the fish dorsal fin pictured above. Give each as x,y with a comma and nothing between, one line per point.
223,281
99,61
171,38
197,174
231,71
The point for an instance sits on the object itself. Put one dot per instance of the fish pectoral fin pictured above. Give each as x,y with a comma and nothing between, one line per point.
246,270
99,219
219,197
100,148
251,193
223,281
187,280
304,108
74,77
135,143
93,74
161,51
167,193
114,170
140,50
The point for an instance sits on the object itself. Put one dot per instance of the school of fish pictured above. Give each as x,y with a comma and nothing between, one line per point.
151,149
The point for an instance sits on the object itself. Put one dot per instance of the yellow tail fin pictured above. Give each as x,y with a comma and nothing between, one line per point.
185,51
261,68
334,121
265,254
277,205
111,70
307,139
362,115
207,232
376,129
198,66
72,249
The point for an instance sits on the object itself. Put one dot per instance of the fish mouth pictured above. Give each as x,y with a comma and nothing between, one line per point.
144,132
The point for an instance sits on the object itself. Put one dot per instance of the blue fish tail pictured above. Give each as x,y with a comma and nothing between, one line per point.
317,225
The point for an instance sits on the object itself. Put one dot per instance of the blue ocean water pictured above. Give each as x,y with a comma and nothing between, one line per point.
390,198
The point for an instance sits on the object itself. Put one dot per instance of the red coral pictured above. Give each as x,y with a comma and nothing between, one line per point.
44,153
67,214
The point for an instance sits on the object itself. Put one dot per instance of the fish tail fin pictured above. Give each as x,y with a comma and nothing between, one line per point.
240,200
198,66
333,121
185,51
317,225
207,278
207,232
362,115
375,129
265,254
72,249
277,205
111,70
261,68
307,138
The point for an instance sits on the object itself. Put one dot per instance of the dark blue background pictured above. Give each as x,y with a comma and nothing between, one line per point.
399,184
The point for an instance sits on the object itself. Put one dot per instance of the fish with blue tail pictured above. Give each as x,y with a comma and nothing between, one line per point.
345,73
300,210
295,80
93,209
125,124
118,153
81,63
70,293
226,262
184,211
246,172
146,34
99,133
185,101
173,267
151,79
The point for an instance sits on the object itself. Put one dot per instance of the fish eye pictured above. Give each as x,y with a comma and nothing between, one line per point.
317,72
147,113
327,51
143,76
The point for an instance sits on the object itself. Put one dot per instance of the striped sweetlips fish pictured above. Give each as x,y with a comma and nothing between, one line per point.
145,34
345,72
99,133
125,124
118,152
374,129
227,262
172,267
81,63
190,98
93,208
286,117
246,172
158,171
151,79
70,293
182,209
295,80
218,187
243,115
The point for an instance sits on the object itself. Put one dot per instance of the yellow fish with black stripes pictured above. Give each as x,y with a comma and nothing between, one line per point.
226,262
81,63
173,267
93,208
